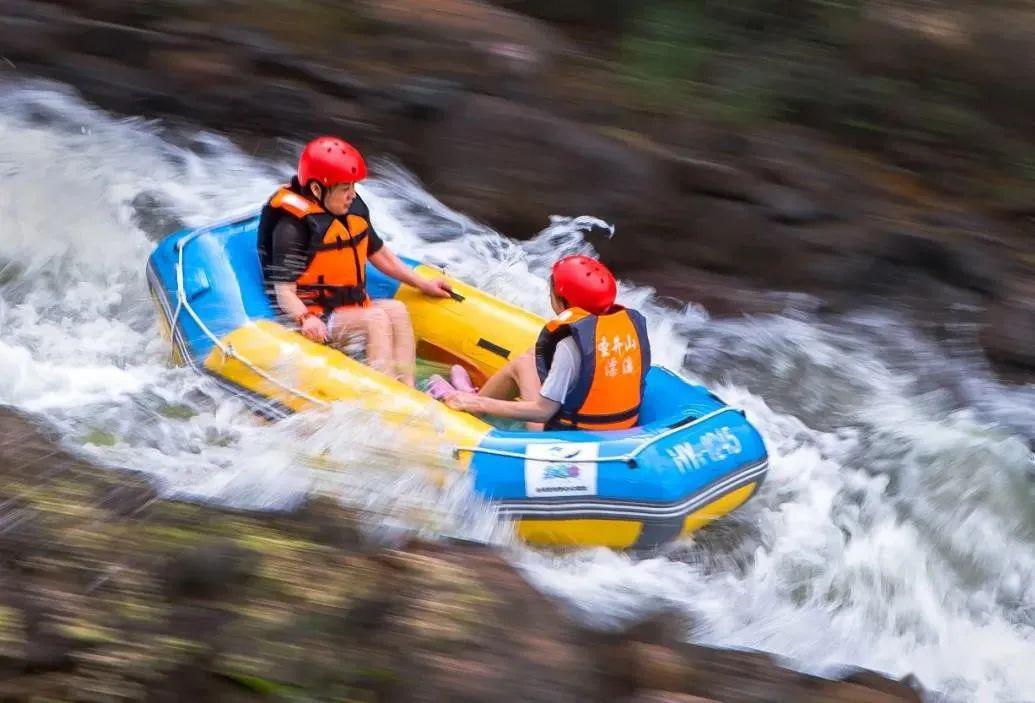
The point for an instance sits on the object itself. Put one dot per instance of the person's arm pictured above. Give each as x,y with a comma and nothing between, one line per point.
288,260
288,300
539,409
313,327
385,261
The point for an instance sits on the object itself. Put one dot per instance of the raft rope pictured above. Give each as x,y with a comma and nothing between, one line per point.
227,350
629,458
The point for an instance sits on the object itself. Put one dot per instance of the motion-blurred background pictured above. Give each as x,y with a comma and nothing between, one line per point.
824,206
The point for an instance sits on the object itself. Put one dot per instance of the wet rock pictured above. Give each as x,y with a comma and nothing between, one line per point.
367,616
271,105
329,79
48,652
1009,334
725,237
715,179
840,692
326,522
904,690
719,294
789,206
656,666
667,697
259,45
127,44
154,215
111,10
421,98
479,24
208,572
514,166
126,500
662,628
605,14
643,655
192,69
23,535
976,264
957,260
113,85
29,39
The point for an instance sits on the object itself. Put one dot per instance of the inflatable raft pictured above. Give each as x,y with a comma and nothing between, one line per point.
691,460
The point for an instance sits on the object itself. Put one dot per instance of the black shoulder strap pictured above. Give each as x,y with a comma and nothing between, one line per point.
545,347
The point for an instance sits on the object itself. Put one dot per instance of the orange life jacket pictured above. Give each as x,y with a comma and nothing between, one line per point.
615,357
336,275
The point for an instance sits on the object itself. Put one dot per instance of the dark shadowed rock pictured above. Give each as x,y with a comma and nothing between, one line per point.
271,105
126,500
664,627
1009,335
191,69
49,651
420,98
31,39
24,536
154,216
209,571
514,166
605,14
904,689
113,85
958,260
788,206
667,697
725,237
124,43
478,24
331,80
711,178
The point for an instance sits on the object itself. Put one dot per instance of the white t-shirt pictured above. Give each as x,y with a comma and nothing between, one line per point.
564,371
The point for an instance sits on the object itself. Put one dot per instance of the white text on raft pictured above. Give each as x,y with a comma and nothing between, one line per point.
713,446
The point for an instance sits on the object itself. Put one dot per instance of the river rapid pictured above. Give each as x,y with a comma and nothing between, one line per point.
895,531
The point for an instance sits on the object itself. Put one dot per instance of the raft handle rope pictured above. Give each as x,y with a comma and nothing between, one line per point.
629,458
227,350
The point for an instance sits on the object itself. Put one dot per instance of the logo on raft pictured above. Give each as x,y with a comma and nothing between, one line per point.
567,468
561,471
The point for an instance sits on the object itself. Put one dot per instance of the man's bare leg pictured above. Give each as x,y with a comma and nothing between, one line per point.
346,322
404,344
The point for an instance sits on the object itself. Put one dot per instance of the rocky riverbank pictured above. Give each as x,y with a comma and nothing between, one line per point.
511,119
112,595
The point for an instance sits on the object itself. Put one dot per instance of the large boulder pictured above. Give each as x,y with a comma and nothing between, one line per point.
496,51
956,257
472,21
513,166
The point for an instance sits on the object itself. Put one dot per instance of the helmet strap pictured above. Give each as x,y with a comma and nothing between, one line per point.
322,190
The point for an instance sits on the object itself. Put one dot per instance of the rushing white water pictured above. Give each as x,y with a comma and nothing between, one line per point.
895,531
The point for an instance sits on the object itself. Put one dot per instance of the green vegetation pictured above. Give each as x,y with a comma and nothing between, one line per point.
875,79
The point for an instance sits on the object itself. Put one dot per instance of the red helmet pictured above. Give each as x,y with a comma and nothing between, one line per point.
585,283
330,161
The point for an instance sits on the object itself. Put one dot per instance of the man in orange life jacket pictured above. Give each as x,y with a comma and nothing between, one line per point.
315,238
588,368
